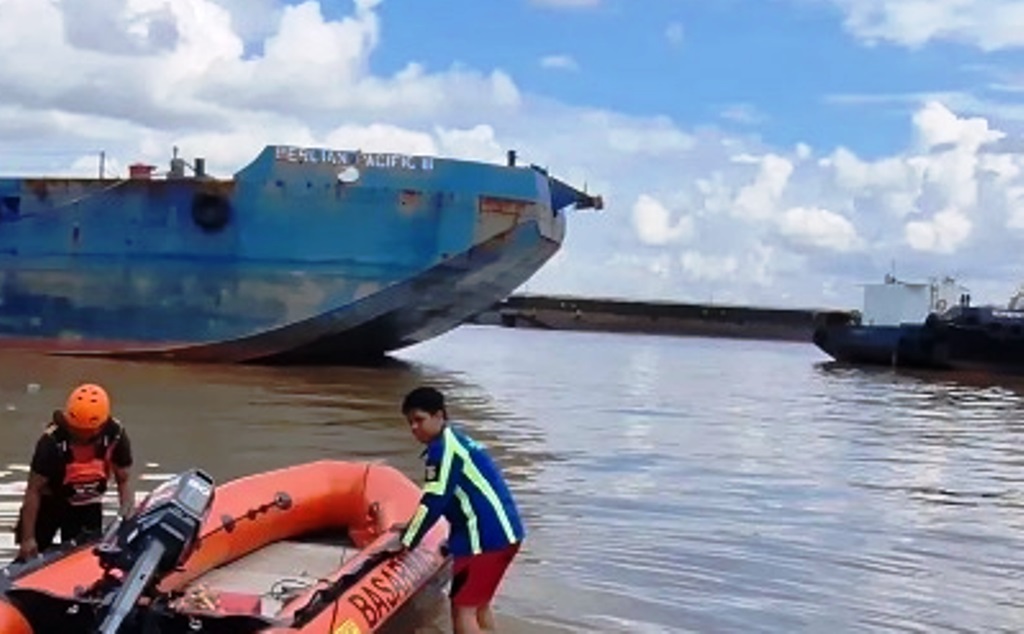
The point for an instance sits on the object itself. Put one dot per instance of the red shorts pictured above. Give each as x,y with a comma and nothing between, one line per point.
475,578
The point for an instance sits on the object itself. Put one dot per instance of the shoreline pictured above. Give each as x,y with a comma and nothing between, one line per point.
554,312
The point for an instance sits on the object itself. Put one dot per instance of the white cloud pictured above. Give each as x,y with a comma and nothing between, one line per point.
674,33
559,62
759,199
654,225
712,268
658,266
476,144
691,213
936,126
654,136
743,113
253,20
821,228
986,24
942,234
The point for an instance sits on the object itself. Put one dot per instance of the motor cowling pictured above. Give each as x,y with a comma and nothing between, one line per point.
172,515
153,542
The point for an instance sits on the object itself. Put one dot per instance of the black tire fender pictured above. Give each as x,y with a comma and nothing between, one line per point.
210,211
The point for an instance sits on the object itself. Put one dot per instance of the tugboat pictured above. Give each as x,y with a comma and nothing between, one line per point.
897,325
933,326
981,338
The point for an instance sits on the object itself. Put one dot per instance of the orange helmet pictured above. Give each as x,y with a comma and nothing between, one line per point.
88,408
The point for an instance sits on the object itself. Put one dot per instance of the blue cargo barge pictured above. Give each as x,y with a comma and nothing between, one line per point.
306,255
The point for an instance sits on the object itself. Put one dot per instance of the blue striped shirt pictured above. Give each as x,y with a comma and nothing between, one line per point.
463,485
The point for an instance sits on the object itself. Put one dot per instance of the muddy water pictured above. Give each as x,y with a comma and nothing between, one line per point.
668,484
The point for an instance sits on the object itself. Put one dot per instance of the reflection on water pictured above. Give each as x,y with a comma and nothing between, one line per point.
667,484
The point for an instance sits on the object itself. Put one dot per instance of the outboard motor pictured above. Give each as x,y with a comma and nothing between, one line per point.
153,542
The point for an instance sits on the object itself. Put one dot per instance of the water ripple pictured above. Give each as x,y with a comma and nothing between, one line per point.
672,484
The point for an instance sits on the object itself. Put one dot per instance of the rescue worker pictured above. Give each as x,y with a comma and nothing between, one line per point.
73,461
463,485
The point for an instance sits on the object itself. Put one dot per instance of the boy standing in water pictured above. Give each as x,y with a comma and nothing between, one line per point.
463,485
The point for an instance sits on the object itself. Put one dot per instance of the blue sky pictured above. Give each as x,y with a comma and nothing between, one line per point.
775,152
778,67
782,58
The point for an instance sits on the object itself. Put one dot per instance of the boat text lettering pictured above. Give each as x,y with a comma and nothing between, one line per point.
382,592
342,158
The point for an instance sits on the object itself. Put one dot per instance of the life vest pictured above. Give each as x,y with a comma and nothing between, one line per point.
87,467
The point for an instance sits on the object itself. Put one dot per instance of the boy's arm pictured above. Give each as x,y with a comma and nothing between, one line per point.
443,469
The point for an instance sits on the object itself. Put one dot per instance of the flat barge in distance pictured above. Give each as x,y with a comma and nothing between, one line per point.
306,255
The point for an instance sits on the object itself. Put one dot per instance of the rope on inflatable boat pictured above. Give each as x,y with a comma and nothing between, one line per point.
333,591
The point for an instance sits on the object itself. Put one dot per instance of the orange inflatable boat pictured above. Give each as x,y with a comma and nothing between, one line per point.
302,549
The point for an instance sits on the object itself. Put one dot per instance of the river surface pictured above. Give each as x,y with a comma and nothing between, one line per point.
667,484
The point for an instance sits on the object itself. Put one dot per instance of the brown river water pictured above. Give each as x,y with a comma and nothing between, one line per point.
667,484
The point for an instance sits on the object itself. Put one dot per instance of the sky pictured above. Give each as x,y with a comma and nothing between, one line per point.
767,152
